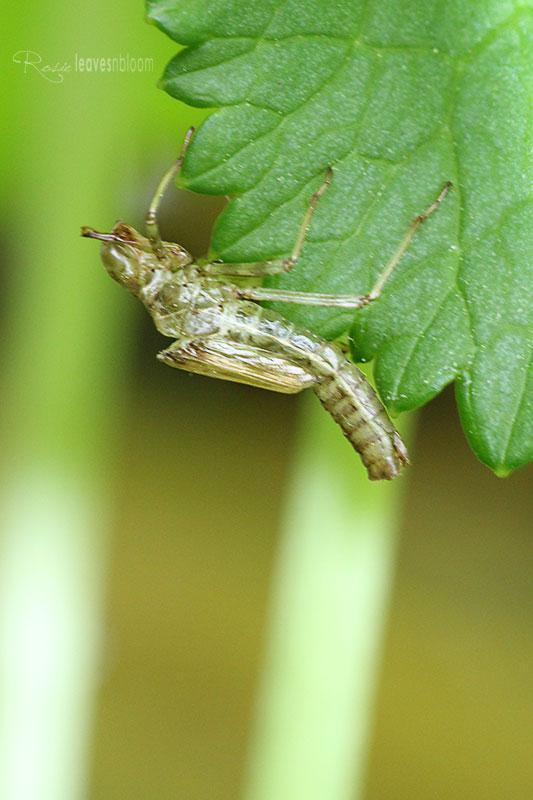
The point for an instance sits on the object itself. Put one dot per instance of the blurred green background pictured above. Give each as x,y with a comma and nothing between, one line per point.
142,507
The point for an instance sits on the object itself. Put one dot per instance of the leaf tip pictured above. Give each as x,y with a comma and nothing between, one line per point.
502,471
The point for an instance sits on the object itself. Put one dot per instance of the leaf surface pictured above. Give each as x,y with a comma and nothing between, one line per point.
398,98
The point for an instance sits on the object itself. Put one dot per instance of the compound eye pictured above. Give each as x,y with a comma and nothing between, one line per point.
125,233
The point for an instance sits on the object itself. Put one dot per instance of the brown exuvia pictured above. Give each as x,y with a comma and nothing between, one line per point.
220,330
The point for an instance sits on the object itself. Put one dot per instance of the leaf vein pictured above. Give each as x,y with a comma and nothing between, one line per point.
418,340
521,400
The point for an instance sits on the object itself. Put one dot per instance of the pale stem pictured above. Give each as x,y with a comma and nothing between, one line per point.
329,604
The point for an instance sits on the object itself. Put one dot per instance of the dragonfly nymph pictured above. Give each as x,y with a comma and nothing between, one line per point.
219,328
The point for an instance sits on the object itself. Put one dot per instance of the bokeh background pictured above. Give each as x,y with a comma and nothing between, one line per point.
143,509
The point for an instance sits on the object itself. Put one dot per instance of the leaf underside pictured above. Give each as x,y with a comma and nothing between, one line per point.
398,98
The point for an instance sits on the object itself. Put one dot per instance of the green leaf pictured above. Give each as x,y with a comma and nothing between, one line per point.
398,97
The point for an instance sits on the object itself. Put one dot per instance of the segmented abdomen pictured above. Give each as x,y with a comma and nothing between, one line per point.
341,387
354,405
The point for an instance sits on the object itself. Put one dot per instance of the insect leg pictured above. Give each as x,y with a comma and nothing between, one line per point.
306,222
347,301
254,269
406,241
151,226
241,363
260,269
303,298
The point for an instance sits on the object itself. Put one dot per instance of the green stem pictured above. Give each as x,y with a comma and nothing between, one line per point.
327,619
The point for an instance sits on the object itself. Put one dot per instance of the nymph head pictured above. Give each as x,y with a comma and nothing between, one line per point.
130,258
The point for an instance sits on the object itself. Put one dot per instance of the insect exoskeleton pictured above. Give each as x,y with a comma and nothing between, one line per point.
221,330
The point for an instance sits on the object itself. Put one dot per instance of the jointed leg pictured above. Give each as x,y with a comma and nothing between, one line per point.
406,241
306,222
260,269
253,269
152,228
347,301
303,298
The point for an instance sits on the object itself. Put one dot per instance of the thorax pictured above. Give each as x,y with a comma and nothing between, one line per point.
186,303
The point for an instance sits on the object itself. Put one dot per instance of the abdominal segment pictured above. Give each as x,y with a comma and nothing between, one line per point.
258,347
354,405
341,387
